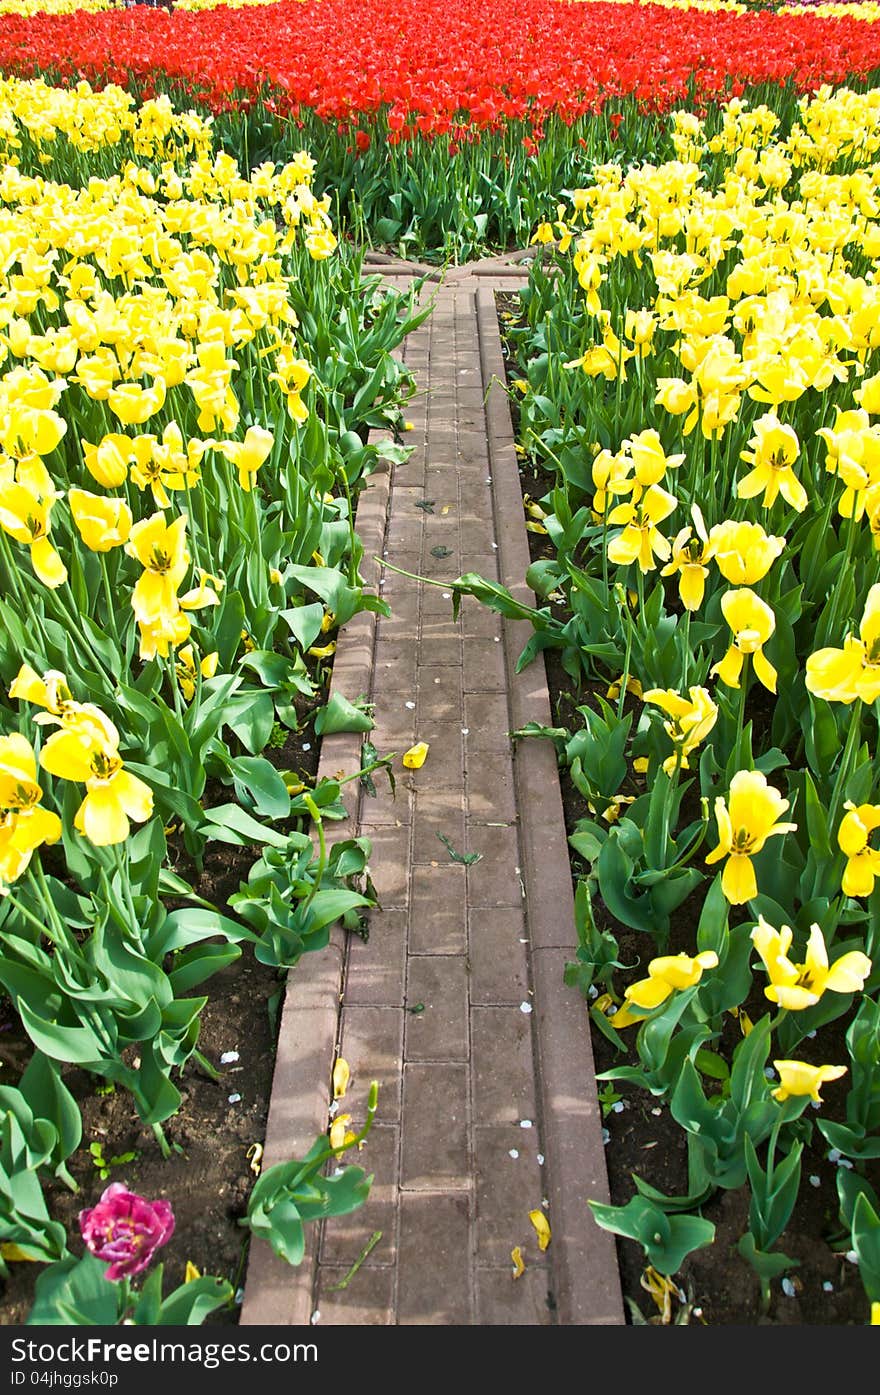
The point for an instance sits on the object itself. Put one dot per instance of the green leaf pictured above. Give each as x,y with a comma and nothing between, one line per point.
341,715
260,787
78,1286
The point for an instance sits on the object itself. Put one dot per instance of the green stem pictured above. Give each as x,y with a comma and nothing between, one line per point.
846,760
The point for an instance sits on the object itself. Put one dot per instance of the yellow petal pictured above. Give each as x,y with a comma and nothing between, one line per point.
414,758
341,1077
542,1228
191,1272
338,1131
520,1268
12,1251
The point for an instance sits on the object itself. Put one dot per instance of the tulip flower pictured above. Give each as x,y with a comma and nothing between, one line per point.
798,1078
692,720
773,449
103,523
863,862
667,974
650,461
743,552
50,691
248,455
24,825
798,986
187,671
25,506
161,549
125,1229
641,539
134,404
690,553
752,622
86,749
743,828
842,675
108,461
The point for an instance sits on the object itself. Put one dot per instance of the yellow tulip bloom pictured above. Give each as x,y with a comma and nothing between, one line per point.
650,461
773,451
743,552
86,749
21,833
50,691
752,622
799,1078
108,461
18,773
134,404
798,986
165,465
103,523
842,675
26,503
743,828
690,553
641,539
667,974
248,455
863,862
161,549
187,672
692,720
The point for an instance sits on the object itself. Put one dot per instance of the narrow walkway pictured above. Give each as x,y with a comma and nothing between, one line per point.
455,1004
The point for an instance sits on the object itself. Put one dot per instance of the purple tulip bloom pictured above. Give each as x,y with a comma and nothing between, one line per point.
126,1229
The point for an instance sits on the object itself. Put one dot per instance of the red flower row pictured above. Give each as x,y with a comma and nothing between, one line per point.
427,62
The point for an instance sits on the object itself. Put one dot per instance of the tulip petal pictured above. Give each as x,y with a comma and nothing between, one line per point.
415,757
542,1228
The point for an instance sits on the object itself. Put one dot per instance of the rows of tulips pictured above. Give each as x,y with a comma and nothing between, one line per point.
193,378
699,375
389,95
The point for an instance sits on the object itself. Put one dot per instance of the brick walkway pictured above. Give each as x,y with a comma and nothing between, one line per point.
456,1004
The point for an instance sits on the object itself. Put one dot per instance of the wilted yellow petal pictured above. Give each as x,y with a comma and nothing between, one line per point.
12,1251
254,1156
414,758
338,1132
518,1265
191,1272
341,1077
542,1228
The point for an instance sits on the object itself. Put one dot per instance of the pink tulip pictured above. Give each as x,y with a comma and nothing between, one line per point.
126,1229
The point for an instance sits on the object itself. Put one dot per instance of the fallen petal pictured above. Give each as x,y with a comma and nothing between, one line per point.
542,1228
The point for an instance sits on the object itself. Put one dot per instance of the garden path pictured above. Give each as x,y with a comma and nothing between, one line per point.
456,1003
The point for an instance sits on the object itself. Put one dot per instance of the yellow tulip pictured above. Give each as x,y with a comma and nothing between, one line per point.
103,523
134,404
188,672
692,717
86,750
161,549
690,553
18,773
773,449
650,462
107,462
667,974
798,1078
248,455
50,691
799,986
25,507
863,862
743,552
641,539
21,833
752,622
842,675
743,829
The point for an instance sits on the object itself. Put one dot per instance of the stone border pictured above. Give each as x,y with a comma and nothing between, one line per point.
584,1256
275,1293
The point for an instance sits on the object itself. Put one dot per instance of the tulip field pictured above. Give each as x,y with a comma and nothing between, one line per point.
197,377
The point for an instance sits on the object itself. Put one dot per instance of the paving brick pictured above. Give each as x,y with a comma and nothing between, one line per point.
503,1301
484,667
434,1267
437,811
507,1189
389,862
345,1237
444,764
487,718
440,1032
503,1068
372,1044
496,879
438,910
434,1144
490,789
376,971
366,1301
497,955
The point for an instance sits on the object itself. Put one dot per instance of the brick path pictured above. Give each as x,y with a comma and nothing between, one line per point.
456,1004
